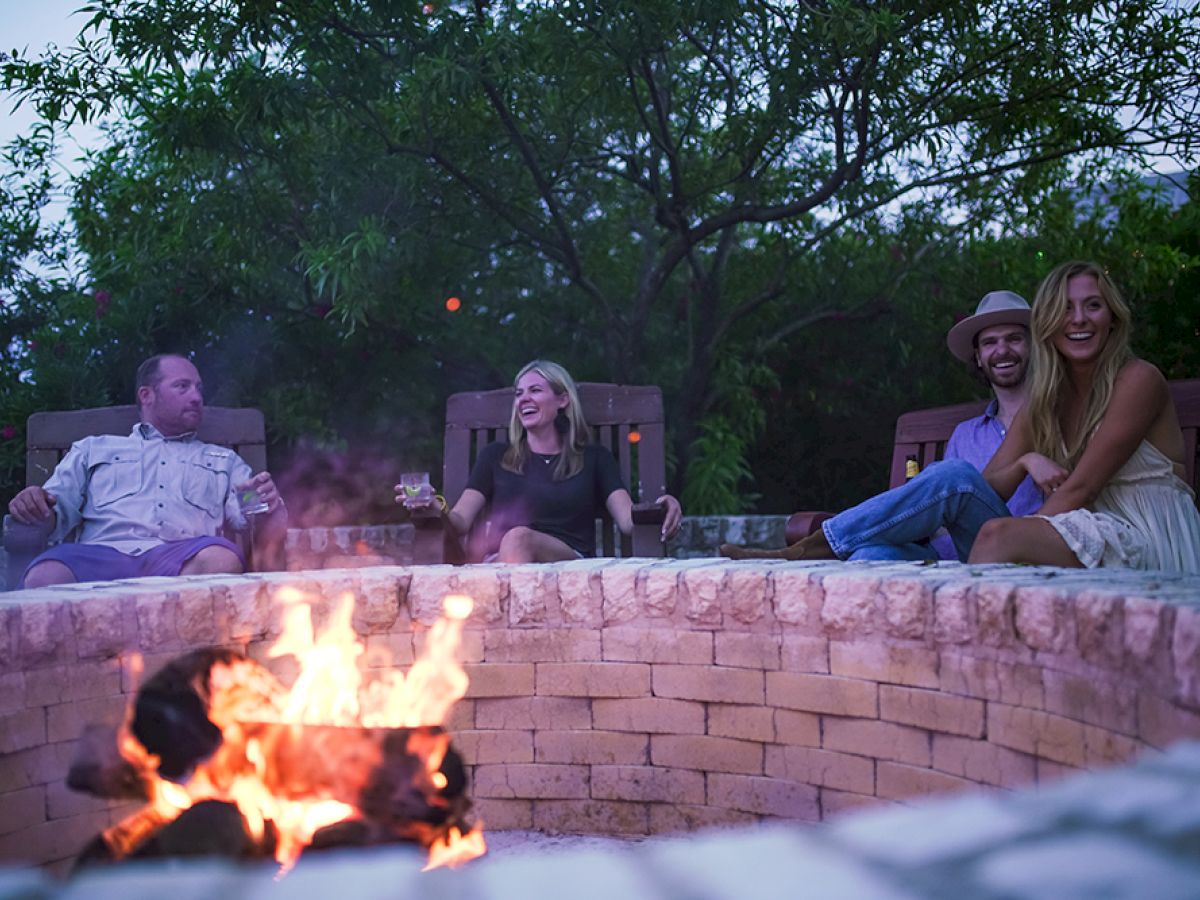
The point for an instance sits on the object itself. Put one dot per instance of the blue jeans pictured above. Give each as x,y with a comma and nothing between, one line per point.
895,524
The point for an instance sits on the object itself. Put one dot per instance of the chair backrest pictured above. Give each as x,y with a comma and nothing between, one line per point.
923,433
49,435
627,419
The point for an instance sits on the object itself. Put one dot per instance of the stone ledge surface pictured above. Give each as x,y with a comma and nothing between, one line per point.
1125,833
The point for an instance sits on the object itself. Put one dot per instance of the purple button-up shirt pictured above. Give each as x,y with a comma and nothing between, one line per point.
977,440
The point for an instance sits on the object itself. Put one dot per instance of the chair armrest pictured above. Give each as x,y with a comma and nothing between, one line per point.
22,543
647,518
801,524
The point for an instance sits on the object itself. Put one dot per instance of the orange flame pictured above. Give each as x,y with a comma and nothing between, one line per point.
244,701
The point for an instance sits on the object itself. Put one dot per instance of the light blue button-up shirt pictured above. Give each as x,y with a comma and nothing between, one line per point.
135,492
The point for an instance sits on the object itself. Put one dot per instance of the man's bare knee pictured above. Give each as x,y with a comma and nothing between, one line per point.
213,560
47,573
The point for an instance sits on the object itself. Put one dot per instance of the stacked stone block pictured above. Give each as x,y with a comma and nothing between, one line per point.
642,697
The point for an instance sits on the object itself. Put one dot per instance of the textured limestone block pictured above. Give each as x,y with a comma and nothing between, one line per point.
27,807
12,692
532,592
593,680
931,710
530,781
749,595
67,721
765,796
821,768
379,601
592,817
706,754
500,679
834,803
22,730
800,728
244,610
1161,722
1099,626
748,650
1185,650
1108,703
618,583
591,747
104,624
649,715
647,784
801,653
954,613
684,818
541,645
906,604
1148,626
850,605
884,662
983,762
580,595
1043,619
503,815
659,587
753,723
196,616
427,588
823,694
484,585
702,590
480,747
1014,683
657,645
156,618
1037,733
710,683
994,607
530,713
798,595
896,781
876,739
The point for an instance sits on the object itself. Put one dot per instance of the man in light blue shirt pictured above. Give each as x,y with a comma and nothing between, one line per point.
995,340
150,503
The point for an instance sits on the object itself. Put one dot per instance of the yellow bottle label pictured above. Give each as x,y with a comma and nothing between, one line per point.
910,468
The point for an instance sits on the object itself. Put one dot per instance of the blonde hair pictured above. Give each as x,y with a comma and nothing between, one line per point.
1049,371
576,438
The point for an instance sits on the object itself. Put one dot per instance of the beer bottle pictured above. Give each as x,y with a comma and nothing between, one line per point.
910,467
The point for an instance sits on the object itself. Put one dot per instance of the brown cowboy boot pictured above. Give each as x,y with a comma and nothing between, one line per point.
814,546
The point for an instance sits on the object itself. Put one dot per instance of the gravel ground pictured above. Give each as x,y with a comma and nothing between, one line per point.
515,843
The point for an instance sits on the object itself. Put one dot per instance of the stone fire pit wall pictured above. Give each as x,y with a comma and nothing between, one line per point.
651,696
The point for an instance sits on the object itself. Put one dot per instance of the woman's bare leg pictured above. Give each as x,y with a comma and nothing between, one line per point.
1022,540
524,545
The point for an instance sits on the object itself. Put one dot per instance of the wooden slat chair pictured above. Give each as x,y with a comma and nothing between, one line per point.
49,435
923,433
626,419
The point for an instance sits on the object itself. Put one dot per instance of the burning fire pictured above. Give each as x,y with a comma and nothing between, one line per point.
298,760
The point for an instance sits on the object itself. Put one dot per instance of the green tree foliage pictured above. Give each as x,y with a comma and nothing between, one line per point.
696,195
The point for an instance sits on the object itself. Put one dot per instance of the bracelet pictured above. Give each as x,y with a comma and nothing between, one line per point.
442,504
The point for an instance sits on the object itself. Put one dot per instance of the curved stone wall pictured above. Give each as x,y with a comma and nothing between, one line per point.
652,696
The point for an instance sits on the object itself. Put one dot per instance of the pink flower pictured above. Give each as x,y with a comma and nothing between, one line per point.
8,432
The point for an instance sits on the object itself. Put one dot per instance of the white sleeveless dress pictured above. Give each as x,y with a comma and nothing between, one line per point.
1145,518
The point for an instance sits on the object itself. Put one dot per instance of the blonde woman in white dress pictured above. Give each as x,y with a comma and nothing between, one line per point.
1100,436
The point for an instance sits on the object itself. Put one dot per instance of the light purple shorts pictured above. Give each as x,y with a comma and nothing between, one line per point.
96,562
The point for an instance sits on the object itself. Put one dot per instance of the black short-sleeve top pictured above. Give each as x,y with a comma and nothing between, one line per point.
564,509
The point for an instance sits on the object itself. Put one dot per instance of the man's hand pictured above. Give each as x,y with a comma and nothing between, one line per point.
265,485
32,505
1045,472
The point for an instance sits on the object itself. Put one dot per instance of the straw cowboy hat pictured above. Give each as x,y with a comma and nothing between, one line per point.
996,308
